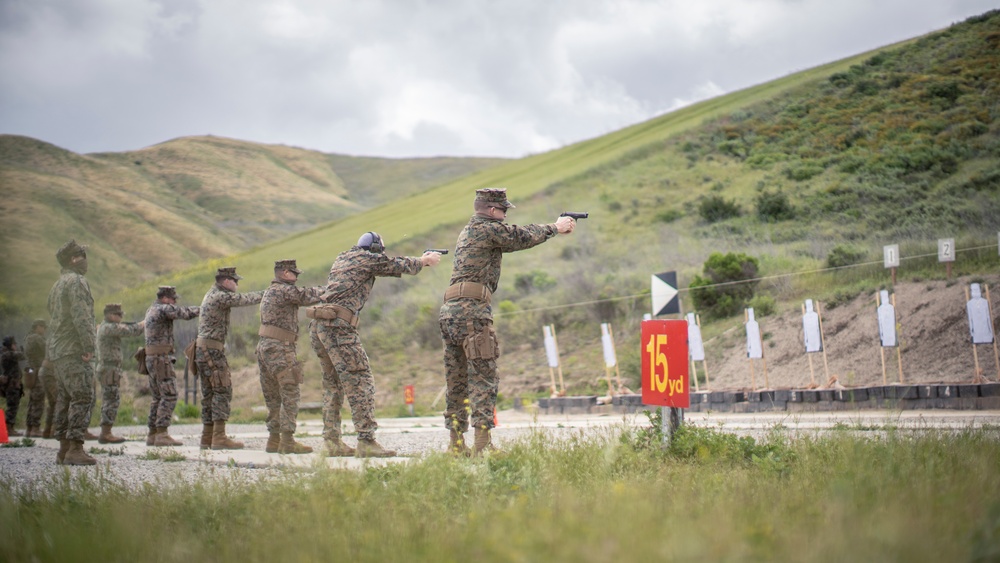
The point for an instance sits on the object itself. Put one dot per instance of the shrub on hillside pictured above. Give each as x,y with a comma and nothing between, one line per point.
729,283
845,255
774,206
715,208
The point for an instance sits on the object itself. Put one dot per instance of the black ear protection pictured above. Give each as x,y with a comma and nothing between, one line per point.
376,246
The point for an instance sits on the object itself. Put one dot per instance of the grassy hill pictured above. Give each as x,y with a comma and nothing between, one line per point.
150,212
823,167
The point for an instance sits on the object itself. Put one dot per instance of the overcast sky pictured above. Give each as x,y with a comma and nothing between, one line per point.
410,78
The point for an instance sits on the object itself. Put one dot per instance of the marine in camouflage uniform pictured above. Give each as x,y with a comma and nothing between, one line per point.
159,332
334,338
210,356
71,341
10,381
280,371
39,382
109,366
466,318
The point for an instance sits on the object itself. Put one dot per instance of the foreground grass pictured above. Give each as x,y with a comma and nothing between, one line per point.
899,496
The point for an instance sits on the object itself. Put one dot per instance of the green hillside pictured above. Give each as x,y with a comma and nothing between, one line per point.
823,167
150,212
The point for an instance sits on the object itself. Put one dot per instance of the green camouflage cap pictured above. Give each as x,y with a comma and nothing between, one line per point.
38,322
287,265
166,291
228,273
494,196
113,309
68,251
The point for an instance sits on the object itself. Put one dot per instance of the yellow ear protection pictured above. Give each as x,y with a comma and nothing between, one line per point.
376,246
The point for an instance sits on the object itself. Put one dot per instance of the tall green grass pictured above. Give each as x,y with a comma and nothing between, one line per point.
893,496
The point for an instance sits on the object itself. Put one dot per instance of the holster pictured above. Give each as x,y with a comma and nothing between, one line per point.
30,378
140,357
482,345
189,353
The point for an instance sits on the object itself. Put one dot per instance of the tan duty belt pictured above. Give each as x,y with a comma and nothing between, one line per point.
468,289
210,344
158,349
277,333
331,311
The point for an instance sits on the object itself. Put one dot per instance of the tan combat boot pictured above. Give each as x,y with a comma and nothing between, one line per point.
337,448
151,437
12,432
457,445
273,440
222,442
288,445
483,442
107,437
368,447
47,433
63,448
206,435
89,436
34,432
76,456
164,439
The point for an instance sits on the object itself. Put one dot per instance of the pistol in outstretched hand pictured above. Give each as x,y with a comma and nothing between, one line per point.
575,214
438,250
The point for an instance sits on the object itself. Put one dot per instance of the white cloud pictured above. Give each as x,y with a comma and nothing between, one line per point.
399,78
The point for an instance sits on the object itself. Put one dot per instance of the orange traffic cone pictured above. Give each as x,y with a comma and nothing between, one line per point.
3,428
495,423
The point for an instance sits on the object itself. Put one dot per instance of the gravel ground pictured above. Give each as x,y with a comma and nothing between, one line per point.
138,468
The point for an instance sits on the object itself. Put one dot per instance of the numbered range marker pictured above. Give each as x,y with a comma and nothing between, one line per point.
665,364
890,253
946,250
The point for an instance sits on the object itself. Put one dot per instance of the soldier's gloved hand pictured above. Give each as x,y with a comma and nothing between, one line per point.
565,225
430,258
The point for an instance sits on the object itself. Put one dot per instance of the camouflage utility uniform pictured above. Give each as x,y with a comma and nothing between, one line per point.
210,355
280,371
335,339
109,362
472,382
41,384
10,377
71,342
159,332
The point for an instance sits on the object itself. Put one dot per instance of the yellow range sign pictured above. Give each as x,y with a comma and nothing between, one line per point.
665,380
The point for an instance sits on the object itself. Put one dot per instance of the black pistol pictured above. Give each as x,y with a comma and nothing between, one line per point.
575,214
438,250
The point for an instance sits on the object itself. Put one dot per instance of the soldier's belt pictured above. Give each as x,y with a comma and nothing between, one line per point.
469,289
277,333
210,344
330,312
159,349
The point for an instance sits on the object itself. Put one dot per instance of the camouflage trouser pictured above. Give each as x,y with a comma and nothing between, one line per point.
163,387
472,384
75,398
111,397
12,393
280,377
43,392
346,372
216,384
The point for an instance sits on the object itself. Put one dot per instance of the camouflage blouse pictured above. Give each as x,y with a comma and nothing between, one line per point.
478,255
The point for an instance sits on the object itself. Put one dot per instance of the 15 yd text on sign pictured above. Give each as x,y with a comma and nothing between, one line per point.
665,380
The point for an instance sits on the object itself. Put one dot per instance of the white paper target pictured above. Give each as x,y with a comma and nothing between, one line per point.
887,321
978,309
550,347
609,346
754,348
810,329
696,348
